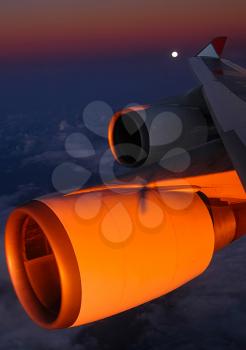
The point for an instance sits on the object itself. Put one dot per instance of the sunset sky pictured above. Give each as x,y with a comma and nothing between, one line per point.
67,28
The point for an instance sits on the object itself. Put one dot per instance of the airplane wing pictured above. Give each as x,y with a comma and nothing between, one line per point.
224,90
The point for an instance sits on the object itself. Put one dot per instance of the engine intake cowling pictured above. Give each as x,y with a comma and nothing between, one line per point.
145,135
74,260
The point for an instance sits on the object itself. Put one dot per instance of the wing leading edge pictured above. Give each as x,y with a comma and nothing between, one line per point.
224,89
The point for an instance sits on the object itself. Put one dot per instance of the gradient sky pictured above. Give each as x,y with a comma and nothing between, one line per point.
63,54
30,28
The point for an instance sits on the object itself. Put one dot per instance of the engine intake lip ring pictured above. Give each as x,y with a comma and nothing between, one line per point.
61,247
129,148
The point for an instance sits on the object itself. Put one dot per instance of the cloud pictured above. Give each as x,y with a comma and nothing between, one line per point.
48,157
23,191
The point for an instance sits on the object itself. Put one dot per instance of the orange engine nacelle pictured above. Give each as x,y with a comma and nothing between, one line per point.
79,258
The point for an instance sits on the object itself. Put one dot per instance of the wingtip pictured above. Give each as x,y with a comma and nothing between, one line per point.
219,44
214,49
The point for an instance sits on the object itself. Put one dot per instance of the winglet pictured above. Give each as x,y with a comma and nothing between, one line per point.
214,49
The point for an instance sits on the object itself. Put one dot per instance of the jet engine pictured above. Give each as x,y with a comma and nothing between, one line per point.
144,135
78,258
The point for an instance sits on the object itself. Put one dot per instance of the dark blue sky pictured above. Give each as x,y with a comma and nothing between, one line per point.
71,85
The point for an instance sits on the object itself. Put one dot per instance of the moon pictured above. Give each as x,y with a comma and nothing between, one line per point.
174,54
